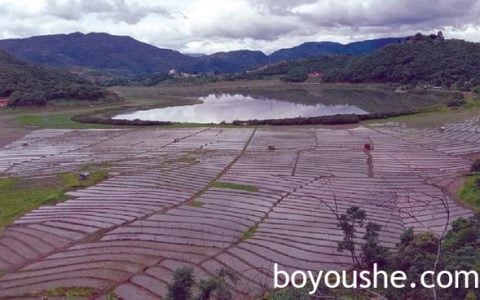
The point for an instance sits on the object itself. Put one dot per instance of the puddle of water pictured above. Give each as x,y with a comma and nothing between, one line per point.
231,107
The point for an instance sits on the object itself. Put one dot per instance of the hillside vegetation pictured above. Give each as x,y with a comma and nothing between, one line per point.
443,63
23,84
420,60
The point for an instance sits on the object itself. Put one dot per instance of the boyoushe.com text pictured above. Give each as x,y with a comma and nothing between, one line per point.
375,278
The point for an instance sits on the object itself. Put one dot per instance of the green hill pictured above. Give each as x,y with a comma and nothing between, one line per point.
24,84
419,60
442,63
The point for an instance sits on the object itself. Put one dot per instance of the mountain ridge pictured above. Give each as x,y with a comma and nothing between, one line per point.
311,49
126,56
100,51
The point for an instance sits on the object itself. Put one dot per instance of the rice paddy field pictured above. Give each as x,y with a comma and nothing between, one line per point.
208,197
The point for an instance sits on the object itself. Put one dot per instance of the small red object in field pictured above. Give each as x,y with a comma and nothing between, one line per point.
3,102
367,147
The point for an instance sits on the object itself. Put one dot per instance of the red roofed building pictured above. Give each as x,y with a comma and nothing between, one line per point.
3,102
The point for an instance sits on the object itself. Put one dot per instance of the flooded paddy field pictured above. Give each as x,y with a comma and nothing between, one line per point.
215,198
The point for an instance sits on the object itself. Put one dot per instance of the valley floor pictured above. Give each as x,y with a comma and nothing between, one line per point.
215,198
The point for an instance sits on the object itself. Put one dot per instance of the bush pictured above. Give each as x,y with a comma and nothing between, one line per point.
455,103
183,286
297,74
476,166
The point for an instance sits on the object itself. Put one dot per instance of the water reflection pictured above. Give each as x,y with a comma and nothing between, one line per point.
231,107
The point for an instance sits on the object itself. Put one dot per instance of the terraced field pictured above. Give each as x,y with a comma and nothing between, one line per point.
220,198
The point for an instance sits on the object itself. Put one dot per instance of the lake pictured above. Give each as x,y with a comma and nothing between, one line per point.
217,108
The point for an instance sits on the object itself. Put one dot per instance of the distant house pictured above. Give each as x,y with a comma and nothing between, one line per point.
429,86
177,74
3,102
317,74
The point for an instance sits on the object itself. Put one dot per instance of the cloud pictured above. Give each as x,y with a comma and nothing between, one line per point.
117,10
210,25
280,7
240,20
371,13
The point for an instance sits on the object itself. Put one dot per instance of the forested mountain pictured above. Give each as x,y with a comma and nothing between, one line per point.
126,57
118,55
33,85
418,60
312,49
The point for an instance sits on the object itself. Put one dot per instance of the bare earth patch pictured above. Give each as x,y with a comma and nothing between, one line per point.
9,133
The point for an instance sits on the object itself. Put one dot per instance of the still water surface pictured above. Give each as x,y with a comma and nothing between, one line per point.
230,107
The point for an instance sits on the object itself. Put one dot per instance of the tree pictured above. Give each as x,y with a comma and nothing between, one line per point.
440,36
416,254
218,285
183,281
296,74
462,252
372,252
348,224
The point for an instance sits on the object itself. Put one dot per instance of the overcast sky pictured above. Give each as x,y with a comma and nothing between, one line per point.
207,26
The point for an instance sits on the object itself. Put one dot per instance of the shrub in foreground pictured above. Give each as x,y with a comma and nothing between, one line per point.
476,166
455,103
185,287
